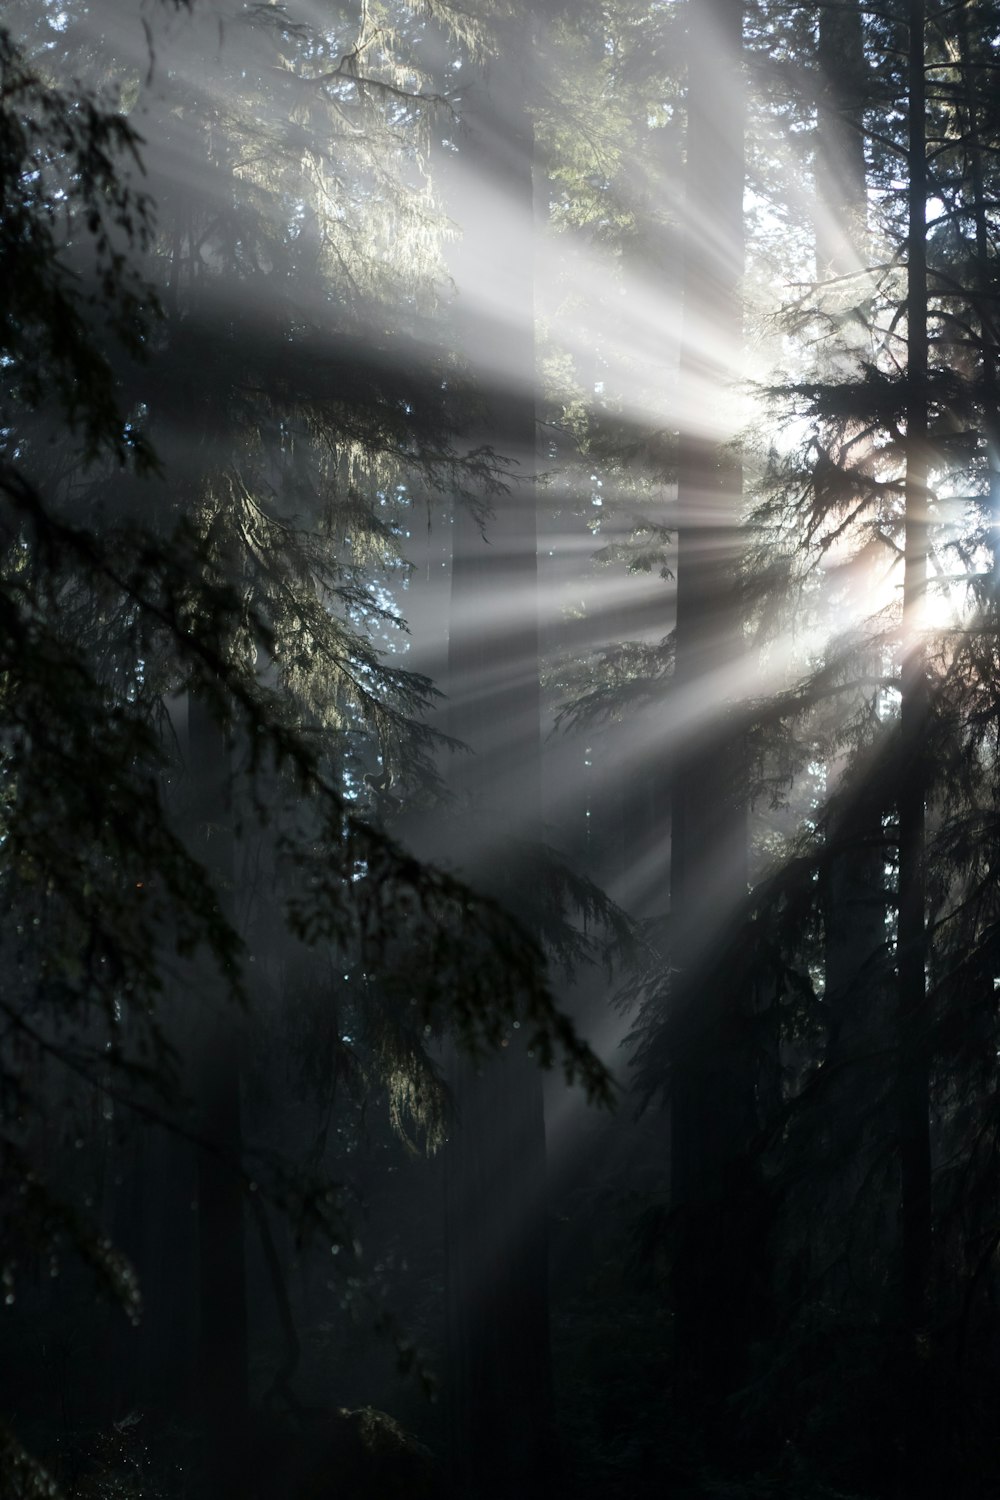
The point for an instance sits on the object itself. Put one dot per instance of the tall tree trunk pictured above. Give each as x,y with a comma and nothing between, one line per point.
983,299
841,173
912,1074
712,1081
855,896
914,1128
222,1341
498,1333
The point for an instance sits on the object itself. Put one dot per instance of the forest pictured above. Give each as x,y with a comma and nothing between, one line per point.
499,749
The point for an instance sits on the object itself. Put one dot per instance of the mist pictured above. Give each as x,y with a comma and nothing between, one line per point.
498,757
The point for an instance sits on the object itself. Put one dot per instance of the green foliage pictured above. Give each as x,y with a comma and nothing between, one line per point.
66,189
620,678
216,420
243,566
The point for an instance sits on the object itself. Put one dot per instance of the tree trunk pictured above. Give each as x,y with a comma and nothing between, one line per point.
712,1079
856,992
983,299
841,172
222,1340
914,1108
912,1067
497,1277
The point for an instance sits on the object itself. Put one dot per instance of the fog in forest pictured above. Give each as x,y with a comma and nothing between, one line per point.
499,767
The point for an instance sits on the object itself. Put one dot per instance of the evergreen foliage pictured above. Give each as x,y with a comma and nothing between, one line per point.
202,506
249,885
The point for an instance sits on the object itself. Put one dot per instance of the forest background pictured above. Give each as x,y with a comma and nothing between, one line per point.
498,749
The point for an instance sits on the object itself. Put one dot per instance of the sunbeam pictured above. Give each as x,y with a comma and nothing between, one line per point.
499,765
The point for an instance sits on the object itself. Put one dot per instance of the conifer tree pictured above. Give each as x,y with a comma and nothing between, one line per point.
235,570
498,1348
712,1084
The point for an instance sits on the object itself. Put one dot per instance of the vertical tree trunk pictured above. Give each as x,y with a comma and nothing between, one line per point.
497,1269
222,1340
914,1131
983,299
912,1074
841,175
855,899
712,1081
498,1333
